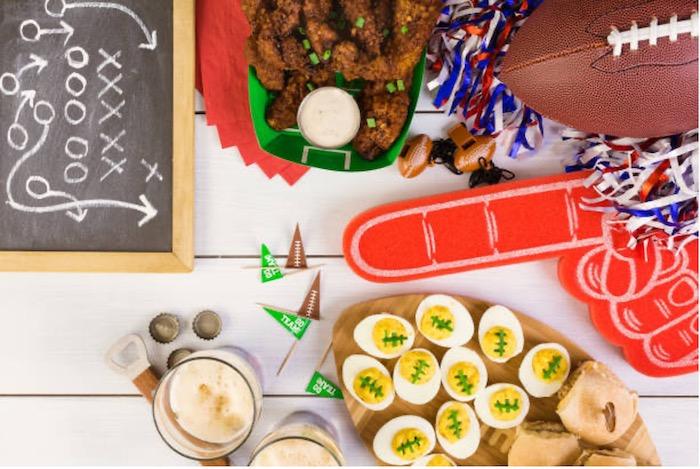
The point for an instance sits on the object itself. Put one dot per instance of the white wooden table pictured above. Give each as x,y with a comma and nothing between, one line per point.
59,404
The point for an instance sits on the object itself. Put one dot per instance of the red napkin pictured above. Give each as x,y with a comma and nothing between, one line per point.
222,78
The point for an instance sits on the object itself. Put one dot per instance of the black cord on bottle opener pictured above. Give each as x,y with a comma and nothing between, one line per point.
488,173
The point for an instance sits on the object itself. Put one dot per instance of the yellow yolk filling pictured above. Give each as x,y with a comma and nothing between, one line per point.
549,365
437,322
498,342
463,378
372,386
439,460
389,335
409,444
505,404
453,423
416,367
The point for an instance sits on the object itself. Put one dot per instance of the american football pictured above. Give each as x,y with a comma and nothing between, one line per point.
627,68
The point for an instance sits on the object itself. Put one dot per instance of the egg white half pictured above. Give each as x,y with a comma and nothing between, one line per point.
534,386
423,462
463,354
466,446
464,324
482,407
382,440
363,335
352,366
417,393
501,316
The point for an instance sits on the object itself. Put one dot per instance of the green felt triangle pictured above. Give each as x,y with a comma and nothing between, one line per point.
295,325
270,269
323,387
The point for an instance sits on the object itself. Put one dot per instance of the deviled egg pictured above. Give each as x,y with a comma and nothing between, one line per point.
500,334
544,369
502,405
444,321
457,429
463,373
368,381
384,335
435,459
403,440
417,376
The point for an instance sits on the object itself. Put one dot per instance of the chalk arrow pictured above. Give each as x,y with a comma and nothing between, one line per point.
32,32
79,216
27,96
148,210
36,62
151,36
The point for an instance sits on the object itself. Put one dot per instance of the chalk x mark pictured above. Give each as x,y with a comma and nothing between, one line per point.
113,167
112,142
152,171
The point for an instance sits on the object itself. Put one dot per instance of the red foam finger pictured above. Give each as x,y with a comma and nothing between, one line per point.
471,229
645,301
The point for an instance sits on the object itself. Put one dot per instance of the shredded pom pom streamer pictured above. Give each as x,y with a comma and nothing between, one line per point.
465,54
649,184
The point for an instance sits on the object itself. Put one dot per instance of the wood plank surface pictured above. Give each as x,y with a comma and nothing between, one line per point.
57,395
120,431
57,327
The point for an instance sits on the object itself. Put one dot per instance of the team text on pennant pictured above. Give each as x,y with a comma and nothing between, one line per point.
295,325
323,387
269,268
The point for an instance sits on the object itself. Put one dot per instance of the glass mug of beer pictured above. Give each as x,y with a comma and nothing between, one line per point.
206,406
302,439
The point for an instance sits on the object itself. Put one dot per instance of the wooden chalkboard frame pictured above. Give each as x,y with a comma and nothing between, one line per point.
181,256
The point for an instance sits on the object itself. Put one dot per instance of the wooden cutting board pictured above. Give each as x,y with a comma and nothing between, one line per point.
495,444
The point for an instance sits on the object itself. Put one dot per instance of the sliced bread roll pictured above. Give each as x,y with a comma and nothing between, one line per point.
595,405
543,444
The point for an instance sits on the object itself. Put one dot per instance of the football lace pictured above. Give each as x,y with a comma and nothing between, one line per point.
652,33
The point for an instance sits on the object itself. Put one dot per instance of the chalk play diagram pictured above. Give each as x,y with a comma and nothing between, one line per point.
85,88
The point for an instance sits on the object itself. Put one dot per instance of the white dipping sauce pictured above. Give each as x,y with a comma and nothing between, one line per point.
211,401
329,117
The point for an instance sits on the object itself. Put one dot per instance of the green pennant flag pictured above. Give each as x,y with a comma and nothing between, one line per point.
323,387
296,325
270,270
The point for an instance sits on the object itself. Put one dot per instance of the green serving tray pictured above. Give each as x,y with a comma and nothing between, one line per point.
290,145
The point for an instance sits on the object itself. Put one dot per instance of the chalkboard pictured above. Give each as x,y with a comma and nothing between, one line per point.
95,97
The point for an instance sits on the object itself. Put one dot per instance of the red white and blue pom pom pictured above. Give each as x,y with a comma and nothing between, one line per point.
650,184
465,55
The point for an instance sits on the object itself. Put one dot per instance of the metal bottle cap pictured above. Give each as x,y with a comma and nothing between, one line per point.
177,356
164,328
207,325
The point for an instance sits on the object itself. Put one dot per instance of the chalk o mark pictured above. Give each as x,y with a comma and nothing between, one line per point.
17,130
46,192
44,113
55,12
77,62
25,30
11,80
73,167
73,78
74,104
74,153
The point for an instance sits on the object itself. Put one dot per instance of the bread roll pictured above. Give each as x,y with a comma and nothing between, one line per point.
606,457
543,444
595,405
